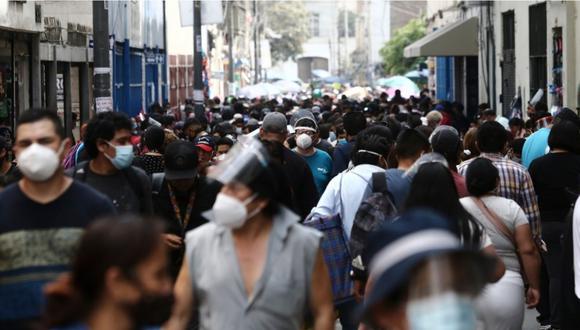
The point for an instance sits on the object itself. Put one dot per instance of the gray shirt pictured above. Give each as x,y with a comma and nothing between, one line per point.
512,216
119,189
280,296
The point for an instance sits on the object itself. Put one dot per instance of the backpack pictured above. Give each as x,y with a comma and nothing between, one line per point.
157,182
373,212
81,170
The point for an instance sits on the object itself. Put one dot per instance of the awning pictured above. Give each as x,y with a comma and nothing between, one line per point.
455,39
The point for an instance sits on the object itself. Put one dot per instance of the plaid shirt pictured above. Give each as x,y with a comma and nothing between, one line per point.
515,184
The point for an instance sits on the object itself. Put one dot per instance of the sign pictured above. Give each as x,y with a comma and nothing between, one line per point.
150,58
103,104
211,12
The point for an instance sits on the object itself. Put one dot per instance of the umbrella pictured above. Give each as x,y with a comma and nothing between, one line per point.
287,86
319,73
358,93
404,84
333,80
259,90
417,74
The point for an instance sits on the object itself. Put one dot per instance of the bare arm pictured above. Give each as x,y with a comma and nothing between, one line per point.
183,300
499,269
321,296
530,258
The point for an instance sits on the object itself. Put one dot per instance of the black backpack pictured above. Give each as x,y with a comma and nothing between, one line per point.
81,170
373,212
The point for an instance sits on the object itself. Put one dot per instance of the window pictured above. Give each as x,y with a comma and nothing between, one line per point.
314,25
349,18
538,45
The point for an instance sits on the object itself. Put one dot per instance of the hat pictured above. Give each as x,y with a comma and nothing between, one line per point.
302,114
445,140
395,250
180,160
205,143
275,122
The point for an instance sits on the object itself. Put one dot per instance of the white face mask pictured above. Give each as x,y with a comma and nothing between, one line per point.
39,163
230,212
182,107
304,141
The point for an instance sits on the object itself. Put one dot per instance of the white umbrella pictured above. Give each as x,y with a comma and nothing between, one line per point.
259,90
287,86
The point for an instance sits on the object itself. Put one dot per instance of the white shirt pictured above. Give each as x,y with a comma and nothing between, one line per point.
350,187
576,247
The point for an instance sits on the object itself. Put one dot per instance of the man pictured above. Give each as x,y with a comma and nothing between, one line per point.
445,141
180,195
517,129
353,123
223,146
397,98
205,148
192,128
515,181
41,219
319,161
409,146
304,194
536,145
109,170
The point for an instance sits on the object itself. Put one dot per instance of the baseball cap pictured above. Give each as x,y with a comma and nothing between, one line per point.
445,140
275,122
205,143
396,250
180,160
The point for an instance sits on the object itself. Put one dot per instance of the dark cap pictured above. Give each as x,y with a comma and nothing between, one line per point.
180,160
205,143
275,122
446,142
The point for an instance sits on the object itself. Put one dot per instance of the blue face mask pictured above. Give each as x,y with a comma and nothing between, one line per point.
341,141
123,156
448,311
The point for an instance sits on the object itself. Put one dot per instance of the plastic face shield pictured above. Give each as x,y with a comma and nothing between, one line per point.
243,163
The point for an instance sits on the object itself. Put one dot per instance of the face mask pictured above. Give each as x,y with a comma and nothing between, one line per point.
182,107
341,141
331,136
447,311
239,130
304,141
152,309
230,212
39,163
123,156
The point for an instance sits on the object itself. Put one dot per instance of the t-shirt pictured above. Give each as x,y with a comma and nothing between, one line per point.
37,242
398,186
460,184
325,146
536,146
320,164
556,178
150,163
303,190
119,190
512,216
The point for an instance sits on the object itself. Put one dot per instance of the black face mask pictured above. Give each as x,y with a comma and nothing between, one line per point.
152,310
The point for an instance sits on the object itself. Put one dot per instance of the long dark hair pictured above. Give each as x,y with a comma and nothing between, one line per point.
433,187
124,242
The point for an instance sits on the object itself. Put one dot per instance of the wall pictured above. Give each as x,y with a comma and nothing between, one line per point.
19,16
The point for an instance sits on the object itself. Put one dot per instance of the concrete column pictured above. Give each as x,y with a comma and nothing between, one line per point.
51,70
84,102
68,124
35,72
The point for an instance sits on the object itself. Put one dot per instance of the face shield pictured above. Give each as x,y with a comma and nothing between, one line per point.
243,163
442,291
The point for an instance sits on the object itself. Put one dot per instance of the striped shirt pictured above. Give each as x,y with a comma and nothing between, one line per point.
516,184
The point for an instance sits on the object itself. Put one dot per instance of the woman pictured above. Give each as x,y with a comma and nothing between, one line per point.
556,182
253,266
433,187
119,279
501,306
152,160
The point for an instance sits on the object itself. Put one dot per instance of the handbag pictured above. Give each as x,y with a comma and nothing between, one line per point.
334,247
503,229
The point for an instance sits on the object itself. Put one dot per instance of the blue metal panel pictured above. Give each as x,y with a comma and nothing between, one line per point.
444,78
136,87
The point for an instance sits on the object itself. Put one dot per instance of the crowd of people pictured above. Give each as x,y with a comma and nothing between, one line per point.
385,213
